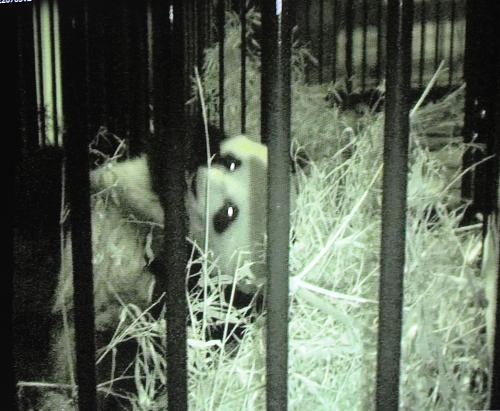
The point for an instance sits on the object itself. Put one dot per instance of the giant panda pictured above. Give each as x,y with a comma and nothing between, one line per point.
235,189
227,196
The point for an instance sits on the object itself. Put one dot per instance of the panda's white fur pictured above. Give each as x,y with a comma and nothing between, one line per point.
241,185
120,230
126,213
121,233
127,218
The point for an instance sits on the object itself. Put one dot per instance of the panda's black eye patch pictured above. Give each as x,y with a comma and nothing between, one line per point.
228,161
225,216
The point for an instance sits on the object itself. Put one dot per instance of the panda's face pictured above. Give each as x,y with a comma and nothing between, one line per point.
232,192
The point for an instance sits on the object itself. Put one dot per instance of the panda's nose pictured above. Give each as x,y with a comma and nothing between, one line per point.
193,185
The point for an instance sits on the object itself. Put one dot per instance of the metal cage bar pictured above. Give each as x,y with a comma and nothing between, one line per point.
349,33
99,87
37,32
221,20
167,163
201,40
74,54
482,125
22,112
423,25
275,124
494,388
53,22
243,58
392,257
379,41
139,124
364,46
335,39
481,73
117,69
437,39
189,42
26,85
321,63
307,36
452,43
209,27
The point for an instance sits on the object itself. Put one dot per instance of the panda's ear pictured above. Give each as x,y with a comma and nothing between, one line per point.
132,186
198,150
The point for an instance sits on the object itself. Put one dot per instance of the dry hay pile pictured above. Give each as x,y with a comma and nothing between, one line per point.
334,259
335,265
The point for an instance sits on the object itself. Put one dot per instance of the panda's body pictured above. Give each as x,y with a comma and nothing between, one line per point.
127,221
119,234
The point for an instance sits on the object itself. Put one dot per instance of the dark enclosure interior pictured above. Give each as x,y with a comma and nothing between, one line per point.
383,279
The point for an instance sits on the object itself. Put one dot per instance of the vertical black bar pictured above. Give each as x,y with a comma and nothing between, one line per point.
307,37
118,75
191,22
210,36
221,19
494,394
193,38
452,43
335,39
320,40
392,257
74,55
210,13
275,115
167,161
108,33
41,107
363,56
349,31
193,33
53,46
471,69
201,30
149,41
190,50
104,50
22,59
243,80
437,40
97,54
17,113
481,73
139,122
379,41
27,86
423,25
126,57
